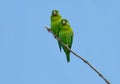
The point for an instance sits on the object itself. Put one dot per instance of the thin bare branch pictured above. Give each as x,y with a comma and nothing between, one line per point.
84,60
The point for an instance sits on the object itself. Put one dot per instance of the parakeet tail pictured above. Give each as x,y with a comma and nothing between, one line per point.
59,46
67,52
68,58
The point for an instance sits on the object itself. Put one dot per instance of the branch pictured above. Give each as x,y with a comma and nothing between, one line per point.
84,60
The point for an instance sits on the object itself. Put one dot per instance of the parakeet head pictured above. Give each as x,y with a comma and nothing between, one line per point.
55,16
64,22
55,12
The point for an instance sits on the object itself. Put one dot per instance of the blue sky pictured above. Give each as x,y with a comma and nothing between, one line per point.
30,55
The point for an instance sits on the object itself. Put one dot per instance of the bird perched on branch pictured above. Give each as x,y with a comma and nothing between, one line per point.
55,23
66,36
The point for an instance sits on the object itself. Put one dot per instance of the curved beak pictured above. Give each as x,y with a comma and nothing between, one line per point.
64,22
54,13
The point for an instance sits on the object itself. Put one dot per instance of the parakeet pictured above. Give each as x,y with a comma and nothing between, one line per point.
55,23
66,36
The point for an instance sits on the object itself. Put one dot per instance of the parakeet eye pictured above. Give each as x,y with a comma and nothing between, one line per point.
63,22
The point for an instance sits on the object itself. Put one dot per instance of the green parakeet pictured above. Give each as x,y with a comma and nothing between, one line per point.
55,23
66,36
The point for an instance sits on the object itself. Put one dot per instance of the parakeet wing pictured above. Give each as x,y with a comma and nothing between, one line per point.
71,40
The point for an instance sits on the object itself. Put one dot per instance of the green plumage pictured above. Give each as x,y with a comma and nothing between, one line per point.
55,23
66,36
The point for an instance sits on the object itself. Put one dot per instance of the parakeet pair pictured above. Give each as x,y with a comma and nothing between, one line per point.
61,28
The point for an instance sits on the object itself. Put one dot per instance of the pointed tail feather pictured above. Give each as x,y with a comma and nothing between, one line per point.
59,46
67,52
68,58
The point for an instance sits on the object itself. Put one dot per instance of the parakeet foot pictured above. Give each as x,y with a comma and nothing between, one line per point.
49,29
66,45
55,36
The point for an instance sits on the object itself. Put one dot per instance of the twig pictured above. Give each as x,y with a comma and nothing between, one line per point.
85,61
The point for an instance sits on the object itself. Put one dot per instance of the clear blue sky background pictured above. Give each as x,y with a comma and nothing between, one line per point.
30,55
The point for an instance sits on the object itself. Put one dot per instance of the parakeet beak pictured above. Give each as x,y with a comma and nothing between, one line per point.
64,22
54,13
